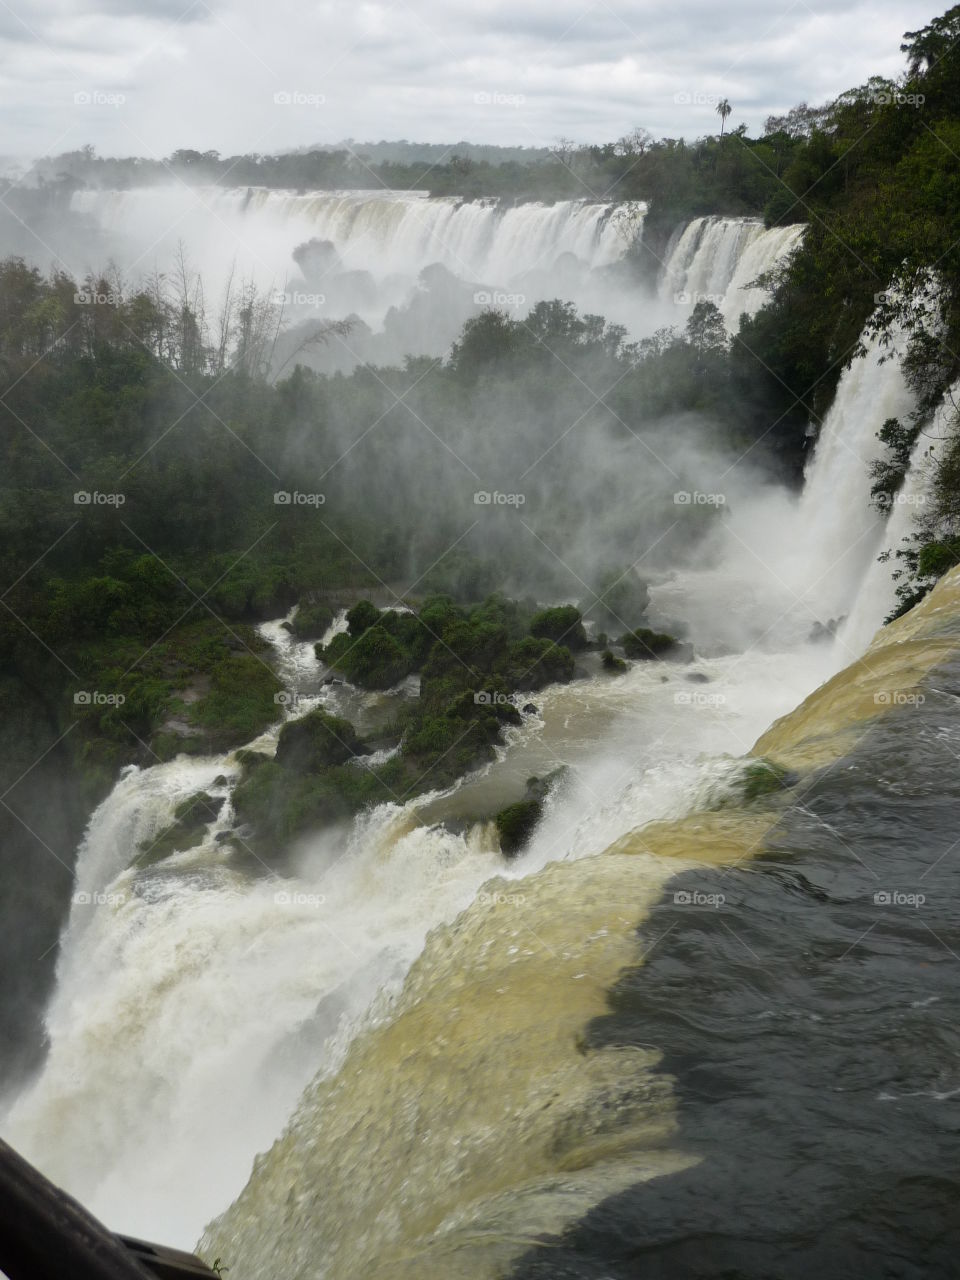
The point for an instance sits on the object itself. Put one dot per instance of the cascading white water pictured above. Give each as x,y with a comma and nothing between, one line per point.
196,1000
385,233
204,999
779,564
842,532
718,260
877,596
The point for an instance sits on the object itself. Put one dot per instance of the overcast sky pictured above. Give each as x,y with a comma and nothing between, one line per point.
146,76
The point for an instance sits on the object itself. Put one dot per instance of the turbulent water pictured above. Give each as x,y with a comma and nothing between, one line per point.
459,1060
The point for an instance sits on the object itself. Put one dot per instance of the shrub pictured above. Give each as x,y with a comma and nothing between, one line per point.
316,742
562,625
612,663
362,616
311,621
516,824
647,644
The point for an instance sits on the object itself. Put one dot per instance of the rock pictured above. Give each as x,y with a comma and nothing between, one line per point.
316,742
530,709
563,625
191,819
517,822
697,677
613,664
646,644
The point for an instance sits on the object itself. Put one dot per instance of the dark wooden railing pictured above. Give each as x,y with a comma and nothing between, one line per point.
46,1235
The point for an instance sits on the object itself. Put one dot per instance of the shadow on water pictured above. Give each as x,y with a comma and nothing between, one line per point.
811,1022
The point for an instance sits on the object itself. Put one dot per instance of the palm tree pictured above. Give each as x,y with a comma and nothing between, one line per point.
723,110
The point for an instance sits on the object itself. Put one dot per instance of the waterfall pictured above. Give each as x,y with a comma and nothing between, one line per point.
370,249
876,597
385,233
201,998
207,1004
838,530
718,259
780,565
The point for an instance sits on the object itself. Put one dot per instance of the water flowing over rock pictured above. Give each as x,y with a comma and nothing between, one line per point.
719,260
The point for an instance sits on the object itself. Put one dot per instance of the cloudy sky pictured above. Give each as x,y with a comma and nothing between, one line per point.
147,76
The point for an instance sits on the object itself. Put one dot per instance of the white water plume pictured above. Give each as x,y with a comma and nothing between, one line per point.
720,259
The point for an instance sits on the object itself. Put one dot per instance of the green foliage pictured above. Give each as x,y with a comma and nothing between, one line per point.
613,664
535,662
241,701
316,741
191,819
311,620
937,558
374,659
562,625
362,616
516,824
763,778
644,643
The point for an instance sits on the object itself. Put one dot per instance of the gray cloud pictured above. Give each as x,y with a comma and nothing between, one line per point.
205,75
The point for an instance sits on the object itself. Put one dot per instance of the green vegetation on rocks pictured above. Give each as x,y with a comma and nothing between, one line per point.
188,829
562,624
311,620
646,644
472,662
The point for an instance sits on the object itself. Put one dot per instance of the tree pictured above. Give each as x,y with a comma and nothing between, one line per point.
706,331
723,110
928,46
